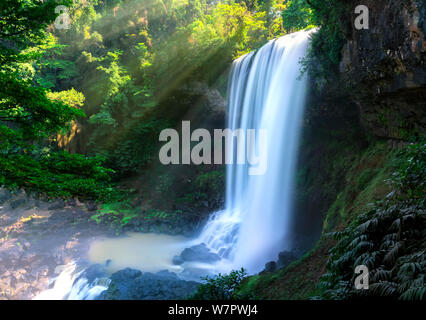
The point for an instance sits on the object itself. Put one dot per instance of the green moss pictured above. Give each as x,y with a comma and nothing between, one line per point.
365,177
290,283
164,183
336,212
212,180
365,183
116,214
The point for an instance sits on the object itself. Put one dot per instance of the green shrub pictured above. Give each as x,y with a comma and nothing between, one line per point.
297,15
222,287
324,53
57,174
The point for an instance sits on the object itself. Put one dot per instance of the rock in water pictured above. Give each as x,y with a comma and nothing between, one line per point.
93,272
129,284
58,204
91,206
4,195
71,202
177,260
200,253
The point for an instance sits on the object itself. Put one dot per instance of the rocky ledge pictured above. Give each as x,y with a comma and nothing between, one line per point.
130,284
37,237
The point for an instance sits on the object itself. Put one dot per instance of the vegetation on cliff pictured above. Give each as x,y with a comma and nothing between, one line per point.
30,113
389,239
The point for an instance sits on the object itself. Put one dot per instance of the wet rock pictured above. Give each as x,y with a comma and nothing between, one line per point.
93,272
167,274
200,253
177,260
195,273
58,204
4,195
285,258
129,284
72,202
91,206
270,266
18,203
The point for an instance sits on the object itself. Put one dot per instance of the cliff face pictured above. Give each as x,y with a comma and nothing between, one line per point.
384,67
380,93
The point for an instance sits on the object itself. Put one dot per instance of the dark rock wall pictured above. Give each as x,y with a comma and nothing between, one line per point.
384,68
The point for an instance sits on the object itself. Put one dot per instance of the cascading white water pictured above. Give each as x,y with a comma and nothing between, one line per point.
265,92
69,285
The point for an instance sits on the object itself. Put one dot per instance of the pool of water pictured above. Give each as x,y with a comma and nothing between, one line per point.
147,252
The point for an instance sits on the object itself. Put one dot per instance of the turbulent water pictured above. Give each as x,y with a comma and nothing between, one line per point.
266,91
71,285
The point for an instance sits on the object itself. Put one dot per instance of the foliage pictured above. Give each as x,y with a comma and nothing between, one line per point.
410,177
297,15
57,174
230,22
165,183
322,59
205,46
30,113
53,68
222,287
134,148
115,213
389,239
25,110
211,182
129,57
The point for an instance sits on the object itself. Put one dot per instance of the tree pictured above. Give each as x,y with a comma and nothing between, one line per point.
26,112
30,113
297,15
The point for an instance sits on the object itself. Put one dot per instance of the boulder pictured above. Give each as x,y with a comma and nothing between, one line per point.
285,258
91,206
270,266
93,272
4,195
167,274
58,204
71,202
129,284
200,253
17,203
177,260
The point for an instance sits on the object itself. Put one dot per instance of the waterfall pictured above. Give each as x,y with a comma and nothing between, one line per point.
266,91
